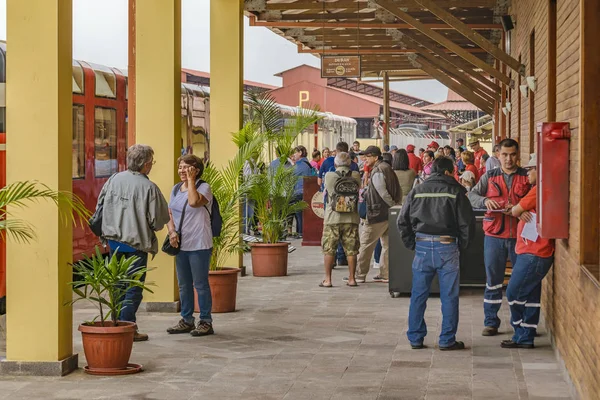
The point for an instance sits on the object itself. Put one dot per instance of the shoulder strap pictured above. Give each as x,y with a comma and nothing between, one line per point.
176,188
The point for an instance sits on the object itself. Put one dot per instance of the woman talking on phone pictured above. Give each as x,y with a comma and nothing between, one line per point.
190,231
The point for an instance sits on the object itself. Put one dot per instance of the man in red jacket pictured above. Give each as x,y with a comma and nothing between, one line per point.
414,162
478,151
535,256
498,191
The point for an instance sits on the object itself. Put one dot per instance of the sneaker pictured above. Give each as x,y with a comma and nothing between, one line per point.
376,265
181,327
380,278
358,280
139,337
489,331
456,346
204,328
509,344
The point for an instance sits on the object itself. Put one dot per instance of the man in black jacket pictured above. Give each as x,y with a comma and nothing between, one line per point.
436,220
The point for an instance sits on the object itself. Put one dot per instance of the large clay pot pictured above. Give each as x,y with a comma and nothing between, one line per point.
107,348
269,259
223,289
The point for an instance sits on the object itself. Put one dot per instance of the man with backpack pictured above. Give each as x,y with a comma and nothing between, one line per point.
383,193
341,217
328,165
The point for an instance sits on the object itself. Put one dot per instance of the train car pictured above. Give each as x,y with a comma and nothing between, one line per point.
418,135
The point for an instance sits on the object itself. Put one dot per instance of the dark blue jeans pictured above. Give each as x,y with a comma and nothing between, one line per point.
296,199
442,259
377,255
523,294
496,252
134,295
192,273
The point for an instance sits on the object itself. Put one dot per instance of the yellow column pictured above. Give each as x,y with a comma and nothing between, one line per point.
158,114
226,81
39,148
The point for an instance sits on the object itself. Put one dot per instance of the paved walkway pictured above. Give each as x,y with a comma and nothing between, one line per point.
291,339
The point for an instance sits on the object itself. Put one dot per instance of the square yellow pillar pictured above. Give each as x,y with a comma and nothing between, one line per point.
39,122
226,82
158,119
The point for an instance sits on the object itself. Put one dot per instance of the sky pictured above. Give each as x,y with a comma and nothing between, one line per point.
100,36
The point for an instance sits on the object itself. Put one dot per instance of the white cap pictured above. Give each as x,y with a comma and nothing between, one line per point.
532,161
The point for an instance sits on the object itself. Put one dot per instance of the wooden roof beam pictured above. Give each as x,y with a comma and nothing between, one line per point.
357,24
470,34
415,41
393,8
420,62
351,4
360,51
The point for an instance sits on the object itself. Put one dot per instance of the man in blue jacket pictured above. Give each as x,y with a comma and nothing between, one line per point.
302,168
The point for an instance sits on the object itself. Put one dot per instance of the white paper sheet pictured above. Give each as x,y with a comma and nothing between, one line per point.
530,229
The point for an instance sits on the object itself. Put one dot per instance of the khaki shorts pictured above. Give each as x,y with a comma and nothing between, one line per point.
346,234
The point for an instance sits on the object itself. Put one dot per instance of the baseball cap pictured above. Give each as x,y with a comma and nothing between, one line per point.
371,150
385,148
532,162
467,176
434,144
410,148
393,147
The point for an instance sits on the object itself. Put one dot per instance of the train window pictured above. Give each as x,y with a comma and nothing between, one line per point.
106,81
78,81
105,141
78,146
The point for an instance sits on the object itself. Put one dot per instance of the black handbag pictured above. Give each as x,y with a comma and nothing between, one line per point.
166,247
95,222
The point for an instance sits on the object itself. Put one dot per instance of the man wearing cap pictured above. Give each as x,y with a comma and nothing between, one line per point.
414,162
393,149
534,260
382,193
478,152
460,143
498,191
433,146
437,221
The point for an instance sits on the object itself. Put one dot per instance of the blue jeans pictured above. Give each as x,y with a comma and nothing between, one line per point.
496,252
523,294
431,258
134,295
377,255
192,273
247,215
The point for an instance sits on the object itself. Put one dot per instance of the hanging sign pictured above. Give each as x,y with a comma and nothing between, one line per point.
340,66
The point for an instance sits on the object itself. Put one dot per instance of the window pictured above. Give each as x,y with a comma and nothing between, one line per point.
78,145
105,141
106,81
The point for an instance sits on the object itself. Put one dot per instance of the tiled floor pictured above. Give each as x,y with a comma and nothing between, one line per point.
291,339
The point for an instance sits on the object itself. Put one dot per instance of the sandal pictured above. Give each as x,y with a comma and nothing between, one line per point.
322,284
352,284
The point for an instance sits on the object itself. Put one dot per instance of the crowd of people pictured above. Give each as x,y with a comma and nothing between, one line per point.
438,190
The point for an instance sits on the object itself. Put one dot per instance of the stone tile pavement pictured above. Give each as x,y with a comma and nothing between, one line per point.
292,340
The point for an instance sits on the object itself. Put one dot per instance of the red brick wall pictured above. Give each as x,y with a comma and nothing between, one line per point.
571,299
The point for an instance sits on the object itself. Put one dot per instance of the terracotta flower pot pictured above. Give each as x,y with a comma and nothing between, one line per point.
223,289
107,348
269,259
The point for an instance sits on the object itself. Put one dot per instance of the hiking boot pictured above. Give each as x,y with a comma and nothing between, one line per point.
456,346
380,278
489,331
509,344
181,327
139,337
204,328
358,280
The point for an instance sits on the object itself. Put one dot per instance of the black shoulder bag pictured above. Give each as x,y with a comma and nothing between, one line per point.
166,247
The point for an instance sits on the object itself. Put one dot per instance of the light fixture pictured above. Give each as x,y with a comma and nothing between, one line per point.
507,23
504,110
531,82
509,106
524,90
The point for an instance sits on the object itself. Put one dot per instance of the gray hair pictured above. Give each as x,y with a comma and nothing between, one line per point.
137,156
342,160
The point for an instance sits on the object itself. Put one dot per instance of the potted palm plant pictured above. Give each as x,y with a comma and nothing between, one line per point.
103,281
272,190
226,188
19,195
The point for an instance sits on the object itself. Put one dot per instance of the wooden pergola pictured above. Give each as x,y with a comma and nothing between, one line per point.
457,42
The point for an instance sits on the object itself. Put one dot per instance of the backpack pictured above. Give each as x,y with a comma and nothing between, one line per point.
216,220
313,170
344,198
